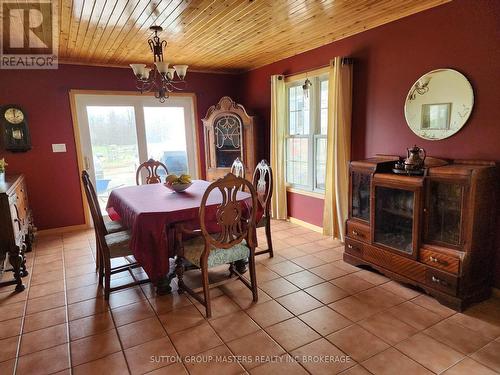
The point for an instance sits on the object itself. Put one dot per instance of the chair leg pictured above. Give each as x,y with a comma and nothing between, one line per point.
100,262
268,238
107,278
97,256
253,278
179,271
101,271
206,290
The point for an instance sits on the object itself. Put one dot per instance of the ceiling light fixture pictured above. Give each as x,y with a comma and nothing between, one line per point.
306,87
160,78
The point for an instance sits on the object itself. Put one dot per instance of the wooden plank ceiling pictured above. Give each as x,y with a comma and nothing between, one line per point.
216,35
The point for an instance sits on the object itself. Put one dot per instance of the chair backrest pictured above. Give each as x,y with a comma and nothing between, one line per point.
235,219
151,167
93,202
263,184
238,169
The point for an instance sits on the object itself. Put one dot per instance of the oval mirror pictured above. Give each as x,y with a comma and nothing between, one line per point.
439,104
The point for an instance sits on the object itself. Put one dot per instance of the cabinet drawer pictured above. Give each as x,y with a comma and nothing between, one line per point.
409,268
358,231
439,260
378,256
354,247
441,281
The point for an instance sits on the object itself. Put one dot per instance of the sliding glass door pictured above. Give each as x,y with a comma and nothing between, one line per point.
113,146
119,132
166,137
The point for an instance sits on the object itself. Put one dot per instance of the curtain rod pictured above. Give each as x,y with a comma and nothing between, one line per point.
345,61
306,70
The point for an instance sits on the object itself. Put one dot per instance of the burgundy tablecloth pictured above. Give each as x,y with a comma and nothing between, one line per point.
148,209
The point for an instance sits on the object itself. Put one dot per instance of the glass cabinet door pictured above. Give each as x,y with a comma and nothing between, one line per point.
227,134
360,199
394,210
444,223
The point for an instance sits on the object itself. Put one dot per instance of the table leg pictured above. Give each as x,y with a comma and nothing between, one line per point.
241,266
163,287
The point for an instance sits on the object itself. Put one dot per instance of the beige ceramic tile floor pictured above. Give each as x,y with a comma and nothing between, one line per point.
312,308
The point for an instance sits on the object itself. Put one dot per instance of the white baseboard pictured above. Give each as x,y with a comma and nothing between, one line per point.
305,224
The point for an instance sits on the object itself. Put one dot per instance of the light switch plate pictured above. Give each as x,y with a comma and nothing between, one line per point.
59,147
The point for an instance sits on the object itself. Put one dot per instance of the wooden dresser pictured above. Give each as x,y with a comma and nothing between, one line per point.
434,231
17,230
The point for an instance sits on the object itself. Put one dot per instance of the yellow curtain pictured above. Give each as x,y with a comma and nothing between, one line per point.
338,147
278,129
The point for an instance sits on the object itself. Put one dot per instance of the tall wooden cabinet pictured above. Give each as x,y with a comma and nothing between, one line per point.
17,230
229,133
433,231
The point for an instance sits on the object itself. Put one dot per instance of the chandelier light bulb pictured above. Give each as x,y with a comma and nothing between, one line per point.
170,73
139,70
162,67
181,71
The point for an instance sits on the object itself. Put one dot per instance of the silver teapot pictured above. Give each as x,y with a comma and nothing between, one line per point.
415,159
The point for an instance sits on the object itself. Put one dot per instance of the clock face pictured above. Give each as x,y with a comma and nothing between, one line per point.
14,115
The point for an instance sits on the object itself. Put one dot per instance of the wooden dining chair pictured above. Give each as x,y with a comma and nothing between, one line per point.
238,169
151,167
110,245
263,185
233,242
109,226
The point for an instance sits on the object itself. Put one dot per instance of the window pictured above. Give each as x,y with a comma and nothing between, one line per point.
307,123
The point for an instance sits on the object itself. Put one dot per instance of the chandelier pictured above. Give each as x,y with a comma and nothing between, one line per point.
159,78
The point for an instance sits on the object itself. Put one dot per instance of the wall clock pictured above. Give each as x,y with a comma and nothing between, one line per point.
14,125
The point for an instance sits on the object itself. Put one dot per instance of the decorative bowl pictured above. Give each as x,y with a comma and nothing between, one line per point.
178,188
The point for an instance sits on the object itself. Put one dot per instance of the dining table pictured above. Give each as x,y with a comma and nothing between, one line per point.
148,211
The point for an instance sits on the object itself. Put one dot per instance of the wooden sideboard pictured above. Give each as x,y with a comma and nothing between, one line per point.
17,234
434,231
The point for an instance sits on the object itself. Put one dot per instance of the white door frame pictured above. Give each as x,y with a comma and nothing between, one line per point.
79,99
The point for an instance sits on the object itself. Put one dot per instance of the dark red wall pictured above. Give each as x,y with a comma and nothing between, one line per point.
52,178
463,35
306,208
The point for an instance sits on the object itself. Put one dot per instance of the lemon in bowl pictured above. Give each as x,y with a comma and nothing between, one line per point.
178,183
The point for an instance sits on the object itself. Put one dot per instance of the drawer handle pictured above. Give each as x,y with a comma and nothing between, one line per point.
18,222
438,281
355,248
437,260
356,233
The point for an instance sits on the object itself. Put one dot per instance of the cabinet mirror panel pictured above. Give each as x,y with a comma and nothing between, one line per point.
227,131
394,209
445,212
360,203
